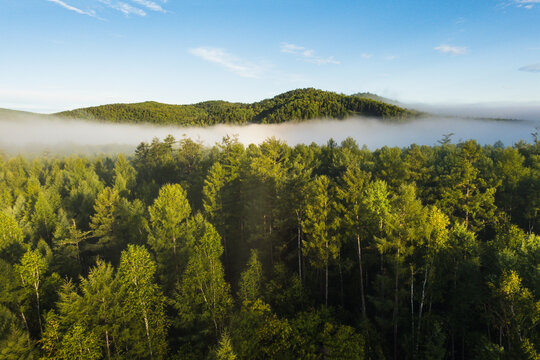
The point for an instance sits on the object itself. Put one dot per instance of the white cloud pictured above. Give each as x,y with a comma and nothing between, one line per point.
73,8
390,57
291,48
366,56
126,7
527,4
231,63
150,5
307,55
449,49
123,7
531,68
322,61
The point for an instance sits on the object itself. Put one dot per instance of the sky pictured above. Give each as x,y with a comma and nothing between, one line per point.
63,54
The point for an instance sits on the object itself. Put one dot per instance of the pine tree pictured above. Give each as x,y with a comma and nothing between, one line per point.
251,280
225,350
142,303
322,244
32,271
203,294
167,216
351,193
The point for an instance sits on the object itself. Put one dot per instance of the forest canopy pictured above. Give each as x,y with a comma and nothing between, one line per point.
272,252
300,104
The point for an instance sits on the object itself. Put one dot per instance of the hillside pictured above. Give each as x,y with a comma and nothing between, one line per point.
17,114
301,104
371,96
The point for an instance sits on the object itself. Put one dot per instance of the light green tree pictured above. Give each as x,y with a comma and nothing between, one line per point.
251,280
225,350
142,303
81,344
11,238
105,222
322,245
352,211
125,176
204,295
167,215
32,271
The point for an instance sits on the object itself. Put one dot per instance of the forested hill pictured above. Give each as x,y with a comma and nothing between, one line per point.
301,104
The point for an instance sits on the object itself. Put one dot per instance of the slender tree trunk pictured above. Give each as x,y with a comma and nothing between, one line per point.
421,309
38,309
362,296
25,325
147,327
108,346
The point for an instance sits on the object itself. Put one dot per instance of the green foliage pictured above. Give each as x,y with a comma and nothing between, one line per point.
251,280
425,252
203,300
167,216
11,238
322,245
144,303
301,104
225,350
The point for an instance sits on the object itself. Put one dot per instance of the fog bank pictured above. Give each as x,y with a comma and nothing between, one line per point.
525,111
39,133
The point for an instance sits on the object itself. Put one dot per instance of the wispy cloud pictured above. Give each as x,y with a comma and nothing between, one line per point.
307,54
228,61
531,68
390,57
452,50
366,56
73,8
527,4
126,7
150,5
123,7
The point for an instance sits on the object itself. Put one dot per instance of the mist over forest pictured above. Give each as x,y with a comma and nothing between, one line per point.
28,133
291,228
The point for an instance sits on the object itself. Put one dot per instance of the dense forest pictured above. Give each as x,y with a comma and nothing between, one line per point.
301,104
272,252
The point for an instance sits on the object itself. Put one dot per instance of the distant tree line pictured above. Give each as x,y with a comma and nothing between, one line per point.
272,252
301,104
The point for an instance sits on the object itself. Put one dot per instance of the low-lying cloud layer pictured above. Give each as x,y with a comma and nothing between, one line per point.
48,133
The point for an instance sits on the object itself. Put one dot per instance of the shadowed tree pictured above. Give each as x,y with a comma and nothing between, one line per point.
322,245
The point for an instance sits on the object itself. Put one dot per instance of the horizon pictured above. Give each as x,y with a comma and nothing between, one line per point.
67,54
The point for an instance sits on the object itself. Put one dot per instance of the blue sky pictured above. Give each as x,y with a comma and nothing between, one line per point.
63,54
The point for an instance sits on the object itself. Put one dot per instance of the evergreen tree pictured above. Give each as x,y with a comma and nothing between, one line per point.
203,300
167,215
142,304
322,245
